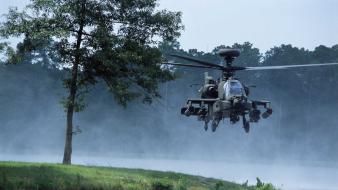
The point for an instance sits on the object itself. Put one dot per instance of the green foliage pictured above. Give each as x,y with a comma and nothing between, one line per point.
262,186
24,176
266,187
219,185
111,41
245,184
259,183
161,185
182,184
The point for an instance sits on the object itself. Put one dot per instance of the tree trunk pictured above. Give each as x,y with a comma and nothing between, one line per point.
67,157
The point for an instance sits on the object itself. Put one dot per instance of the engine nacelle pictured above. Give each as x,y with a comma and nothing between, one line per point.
209,91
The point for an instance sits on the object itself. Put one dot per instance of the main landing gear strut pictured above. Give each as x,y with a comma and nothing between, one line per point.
214,124
246,125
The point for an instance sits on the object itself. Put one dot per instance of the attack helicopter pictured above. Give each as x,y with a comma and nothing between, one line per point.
228,97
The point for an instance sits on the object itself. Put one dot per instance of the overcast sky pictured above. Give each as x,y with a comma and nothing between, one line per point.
265,23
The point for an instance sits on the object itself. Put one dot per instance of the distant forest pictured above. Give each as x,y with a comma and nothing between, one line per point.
304,101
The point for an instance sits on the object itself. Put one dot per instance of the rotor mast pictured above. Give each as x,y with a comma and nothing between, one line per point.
229,56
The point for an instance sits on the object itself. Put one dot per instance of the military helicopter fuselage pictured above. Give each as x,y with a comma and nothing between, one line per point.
228,97
225,99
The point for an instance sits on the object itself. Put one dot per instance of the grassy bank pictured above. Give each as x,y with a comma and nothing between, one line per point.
29,176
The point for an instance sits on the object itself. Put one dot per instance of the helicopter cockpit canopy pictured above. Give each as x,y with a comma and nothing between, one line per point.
233,88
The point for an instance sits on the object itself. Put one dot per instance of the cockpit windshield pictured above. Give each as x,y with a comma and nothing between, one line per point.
233,88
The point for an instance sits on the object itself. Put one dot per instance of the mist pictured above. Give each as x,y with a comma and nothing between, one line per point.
291,149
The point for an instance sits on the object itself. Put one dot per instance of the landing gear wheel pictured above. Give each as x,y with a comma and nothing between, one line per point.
214,125
247,127
206,126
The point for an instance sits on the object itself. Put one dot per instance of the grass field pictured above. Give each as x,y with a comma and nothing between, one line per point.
29,176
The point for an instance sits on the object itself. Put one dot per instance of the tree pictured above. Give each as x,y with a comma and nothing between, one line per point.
109,40
325,54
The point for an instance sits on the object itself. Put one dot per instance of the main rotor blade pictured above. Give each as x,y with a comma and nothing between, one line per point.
197,61
189,65
287,66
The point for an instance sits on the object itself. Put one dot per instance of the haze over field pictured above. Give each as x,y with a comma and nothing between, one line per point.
294,148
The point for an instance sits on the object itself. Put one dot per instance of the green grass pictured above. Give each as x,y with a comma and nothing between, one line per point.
29,176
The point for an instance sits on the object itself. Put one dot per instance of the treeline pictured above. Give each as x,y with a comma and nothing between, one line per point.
304,101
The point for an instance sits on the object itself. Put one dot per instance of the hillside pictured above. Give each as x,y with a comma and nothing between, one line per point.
26,176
